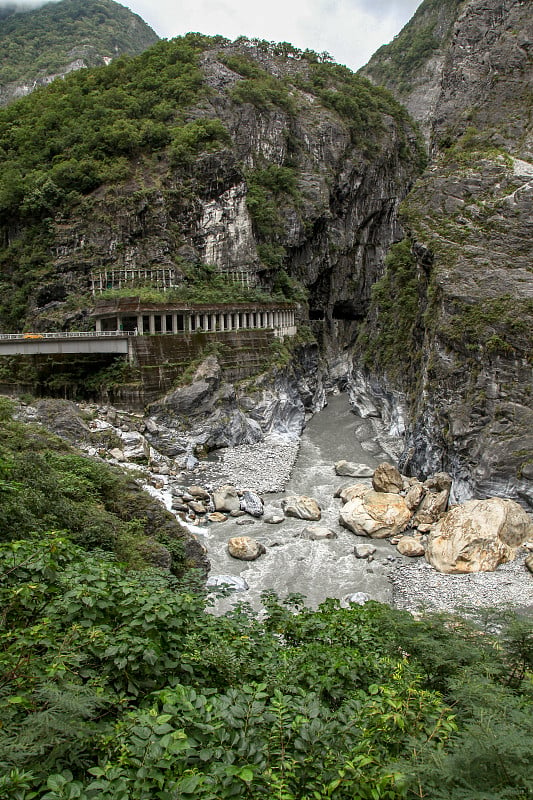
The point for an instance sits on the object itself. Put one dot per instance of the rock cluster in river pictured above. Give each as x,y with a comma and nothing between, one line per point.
475,536
102,430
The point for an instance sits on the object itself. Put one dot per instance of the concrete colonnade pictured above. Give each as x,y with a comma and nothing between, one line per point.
190,321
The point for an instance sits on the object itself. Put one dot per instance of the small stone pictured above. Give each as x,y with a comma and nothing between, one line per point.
351,470
217,516
198,492
226,498
150,426
237,513
245,521
358,598
117,454
197,507
273,518
364,551
410,546
301,507
232,582
317,533
414,495
251,503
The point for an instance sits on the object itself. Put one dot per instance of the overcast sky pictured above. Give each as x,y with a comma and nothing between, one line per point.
350,30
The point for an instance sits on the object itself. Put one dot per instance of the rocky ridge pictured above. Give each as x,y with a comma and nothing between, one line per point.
460,351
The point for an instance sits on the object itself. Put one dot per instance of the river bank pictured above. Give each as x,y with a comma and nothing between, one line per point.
329,569
277,467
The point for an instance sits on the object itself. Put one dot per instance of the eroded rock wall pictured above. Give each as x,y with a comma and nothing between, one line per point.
461,351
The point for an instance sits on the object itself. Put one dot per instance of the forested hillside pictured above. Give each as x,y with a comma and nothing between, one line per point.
37,44
137,152
119,684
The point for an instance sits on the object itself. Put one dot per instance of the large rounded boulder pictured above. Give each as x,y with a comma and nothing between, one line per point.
386,478
375,514
477,536
245,548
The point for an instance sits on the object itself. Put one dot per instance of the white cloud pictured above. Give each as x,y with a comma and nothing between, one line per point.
351,30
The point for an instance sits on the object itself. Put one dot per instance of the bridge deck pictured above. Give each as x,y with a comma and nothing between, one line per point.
52,343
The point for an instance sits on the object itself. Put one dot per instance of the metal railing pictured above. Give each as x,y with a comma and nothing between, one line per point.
32,337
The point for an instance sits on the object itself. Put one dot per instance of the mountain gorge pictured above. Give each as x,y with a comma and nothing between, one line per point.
214,158
323,233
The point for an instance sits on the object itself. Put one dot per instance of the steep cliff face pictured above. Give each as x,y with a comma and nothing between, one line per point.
460,348
39,45
412,65
285,168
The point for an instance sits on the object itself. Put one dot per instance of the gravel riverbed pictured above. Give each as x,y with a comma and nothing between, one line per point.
267,466
263,467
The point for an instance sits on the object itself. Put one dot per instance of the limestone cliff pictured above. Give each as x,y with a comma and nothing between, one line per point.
452,318
283,167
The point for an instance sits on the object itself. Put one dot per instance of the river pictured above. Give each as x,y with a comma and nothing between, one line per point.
291,564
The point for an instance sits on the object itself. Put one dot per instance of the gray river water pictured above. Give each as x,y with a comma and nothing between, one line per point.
291,564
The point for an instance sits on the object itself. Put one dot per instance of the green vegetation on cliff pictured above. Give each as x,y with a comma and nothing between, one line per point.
44,40
388,339
394,65
47,485
64,141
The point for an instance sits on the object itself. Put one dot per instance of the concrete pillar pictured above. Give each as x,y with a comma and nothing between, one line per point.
152,323
188,323
98,326
214,322
221,320
174,323
237,322
140,324
198,323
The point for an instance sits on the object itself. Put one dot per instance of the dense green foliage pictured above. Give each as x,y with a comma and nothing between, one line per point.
46,485
269,190
64,141
61,143
120,685
41,41
387,339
